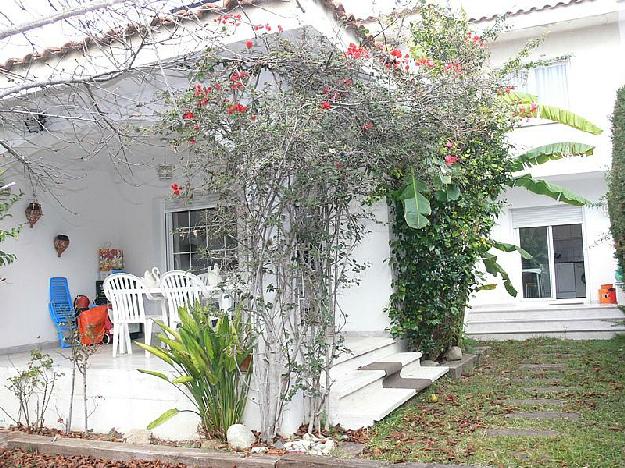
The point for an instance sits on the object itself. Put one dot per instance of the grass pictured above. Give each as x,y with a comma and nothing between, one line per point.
451,430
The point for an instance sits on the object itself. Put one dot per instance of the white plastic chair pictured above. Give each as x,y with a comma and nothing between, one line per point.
126,294
181,289
214,282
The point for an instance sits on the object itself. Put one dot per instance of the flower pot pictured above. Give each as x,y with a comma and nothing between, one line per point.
33,213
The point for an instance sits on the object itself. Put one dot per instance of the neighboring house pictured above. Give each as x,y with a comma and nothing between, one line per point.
580,70
575,67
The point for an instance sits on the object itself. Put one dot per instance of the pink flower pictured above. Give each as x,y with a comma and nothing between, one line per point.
367,126
280,28
325,105
451,159
176,190
449,144
249,43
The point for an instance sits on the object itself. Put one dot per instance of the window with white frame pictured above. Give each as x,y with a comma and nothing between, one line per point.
548,82
200,238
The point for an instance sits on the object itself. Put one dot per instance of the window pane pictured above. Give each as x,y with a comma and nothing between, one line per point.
535,278
181,241
198,217
180,219
181,262
568,252
199,263
197,238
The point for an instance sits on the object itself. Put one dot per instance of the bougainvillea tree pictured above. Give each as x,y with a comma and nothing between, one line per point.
297,139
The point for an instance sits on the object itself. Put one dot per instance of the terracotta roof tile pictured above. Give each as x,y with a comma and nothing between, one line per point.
130,30
530,7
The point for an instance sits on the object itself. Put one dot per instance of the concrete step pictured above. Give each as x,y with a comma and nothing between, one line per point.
546,313
562,335
359,384
362,351
543,325
361,397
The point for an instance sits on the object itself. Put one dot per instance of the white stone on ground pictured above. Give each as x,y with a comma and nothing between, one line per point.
454,354
311,445
138,437
259,450
240,437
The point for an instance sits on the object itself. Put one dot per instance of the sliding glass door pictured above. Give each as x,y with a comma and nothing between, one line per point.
557,269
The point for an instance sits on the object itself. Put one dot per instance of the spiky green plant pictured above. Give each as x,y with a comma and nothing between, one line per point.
208,361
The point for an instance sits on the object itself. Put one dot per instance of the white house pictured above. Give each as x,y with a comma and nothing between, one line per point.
113,204
577,67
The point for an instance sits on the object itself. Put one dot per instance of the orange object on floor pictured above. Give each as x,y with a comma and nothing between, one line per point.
607,294
92,325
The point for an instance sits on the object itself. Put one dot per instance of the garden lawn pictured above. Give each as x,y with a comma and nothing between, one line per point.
455,428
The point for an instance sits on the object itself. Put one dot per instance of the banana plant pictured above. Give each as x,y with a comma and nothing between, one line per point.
417,206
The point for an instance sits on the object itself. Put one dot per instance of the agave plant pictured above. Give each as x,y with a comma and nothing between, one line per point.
211,362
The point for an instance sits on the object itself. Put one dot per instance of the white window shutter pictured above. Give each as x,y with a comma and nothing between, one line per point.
546,216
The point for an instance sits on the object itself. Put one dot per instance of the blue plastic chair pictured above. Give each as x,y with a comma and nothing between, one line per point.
62,310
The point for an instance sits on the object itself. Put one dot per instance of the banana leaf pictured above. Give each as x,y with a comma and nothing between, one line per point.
552,152
565,117
542,187
505,247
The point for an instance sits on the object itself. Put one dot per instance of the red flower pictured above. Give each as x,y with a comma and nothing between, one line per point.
237,108
325,105
256,27
192,140
451,159
197,90
356,52
217,86
367,126
348,82
396,53
188,115
280,28
268,27
249,43
239,75
176,190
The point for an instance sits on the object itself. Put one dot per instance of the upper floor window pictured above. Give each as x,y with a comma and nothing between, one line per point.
198,239
548,82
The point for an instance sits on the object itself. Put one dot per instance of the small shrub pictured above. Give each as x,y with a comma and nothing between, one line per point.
33,387
211,359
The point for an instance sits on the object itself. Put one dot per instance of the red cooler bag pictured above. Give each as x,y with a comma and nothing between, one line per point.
92,325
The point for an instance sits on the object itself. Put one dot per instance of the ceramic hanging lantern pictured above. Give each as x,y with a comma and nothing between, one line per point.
61,242
33,213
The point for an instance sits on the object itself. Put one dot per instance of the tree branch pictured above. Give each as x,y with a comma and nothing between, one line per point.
25,27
